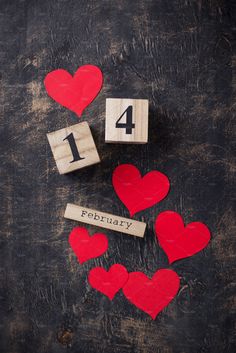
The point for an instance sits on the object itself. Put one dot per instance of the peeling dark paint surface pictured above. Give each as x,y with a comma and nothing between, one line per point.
181,56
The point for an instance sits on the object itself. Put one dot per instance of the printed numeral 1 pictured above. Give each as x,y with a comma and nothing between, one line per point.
73,148
128,125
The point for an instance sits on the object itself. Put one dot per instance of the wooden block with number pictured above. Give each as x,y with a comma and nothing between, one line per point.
73,147
126,120
105,220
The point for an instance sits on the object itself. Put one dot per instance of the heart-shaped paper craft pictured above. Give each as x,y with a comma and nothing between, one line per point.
177,240
152,295
136,192
74,92
108,282
87,247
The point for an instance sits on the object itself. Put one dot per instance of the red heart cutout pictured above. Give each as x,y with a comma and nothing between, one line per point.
136,192
87,247
152,295
74,92
177,240
108,282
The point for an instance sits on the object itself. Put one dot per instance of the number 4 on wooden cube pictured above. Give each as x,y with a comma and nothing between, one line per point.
73,148
126,120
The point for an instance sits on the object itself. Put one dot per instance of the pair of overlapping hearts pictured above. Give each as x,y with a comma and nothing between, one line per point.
177,240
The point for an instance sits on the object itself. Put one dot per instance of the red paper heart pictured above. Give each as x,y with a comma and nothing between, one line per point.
136,192
177,240
108,282
152,295
87,247
74,92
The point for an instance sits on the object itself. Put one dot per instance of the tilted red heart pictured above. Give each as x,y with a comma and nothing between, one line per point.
87,247
177,240
74,92
152,295
136,192
108,282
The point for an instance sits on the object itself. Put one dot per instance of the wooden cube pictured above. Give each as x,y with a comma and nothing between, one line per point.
73,148
126,120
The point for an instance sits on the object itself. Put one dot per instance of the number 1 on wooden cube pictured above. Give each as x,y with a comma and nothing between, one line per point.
73,148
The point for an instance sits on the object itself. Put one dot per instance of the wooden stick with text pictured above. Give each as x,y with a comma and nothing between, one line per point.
105,220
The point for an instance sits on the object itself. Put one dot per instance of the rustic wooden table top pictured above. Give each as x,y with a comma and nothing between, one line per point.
180,56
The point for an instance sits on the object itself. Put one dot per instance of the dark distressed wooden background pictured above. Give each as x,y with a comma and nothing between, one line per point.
180,55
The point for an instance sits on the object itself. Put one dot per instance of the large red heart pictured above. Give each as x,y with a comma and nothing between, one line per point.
108,282
87,247
136,192
152,295
74,92
177,240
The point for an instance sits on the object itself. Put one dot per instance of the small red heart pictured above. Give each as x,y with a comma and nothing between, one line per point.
87,247
177,240
74,92
152,295
136,192
108,282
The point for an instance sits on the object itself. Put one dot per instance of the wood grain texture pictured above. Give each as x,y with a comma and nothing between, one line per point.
105,220
86,151
131,115
178,54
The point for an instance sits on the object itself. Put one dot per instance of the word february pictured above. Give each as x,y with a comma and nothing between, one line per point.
108,220
105,220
